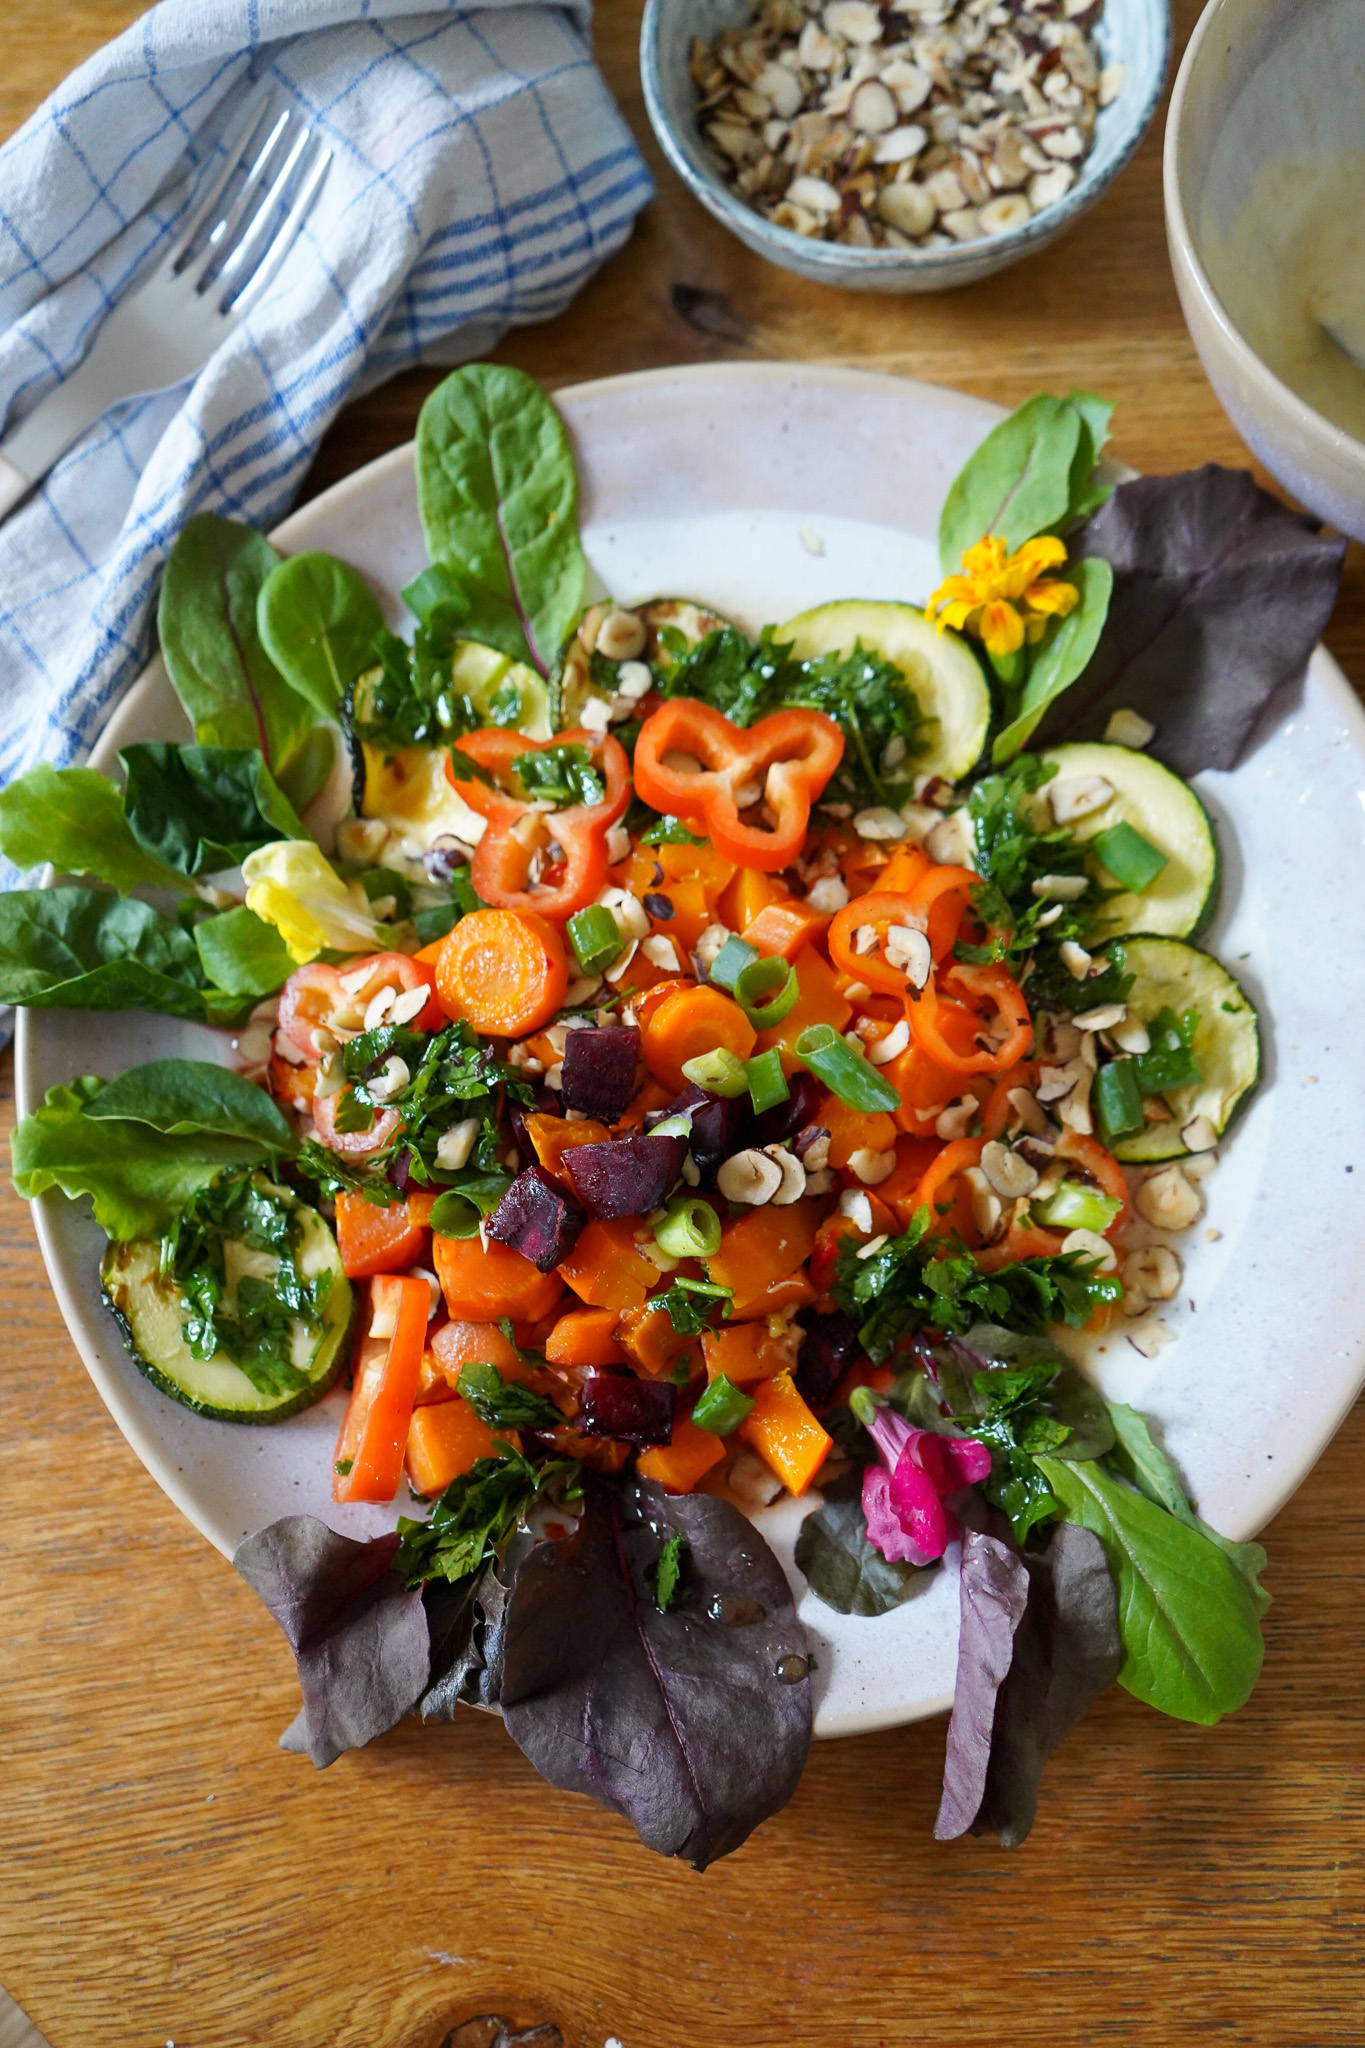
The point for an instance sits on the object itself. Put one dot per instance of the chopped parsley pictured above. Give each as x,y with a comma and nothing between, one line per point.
691,1304
562,775
477,1513
668,1571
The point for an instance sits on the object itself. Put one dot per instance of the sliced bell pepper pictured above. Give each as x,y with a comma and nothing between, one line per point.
501,868
880,911
965,990
1101,1165
314,997
381,1405
786,759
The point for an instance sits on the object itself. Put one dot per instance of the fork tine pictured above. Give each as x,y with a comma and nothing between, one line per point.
194,240
279,247
257,233
228,232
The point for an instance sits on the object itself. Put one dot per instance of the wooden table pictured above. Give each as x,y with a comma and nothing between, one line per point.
167,1874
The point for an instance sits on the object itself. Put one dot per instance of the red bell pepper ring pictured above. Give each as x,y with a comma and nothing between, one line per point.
501,868
962,994
374,1434
314,998
786,759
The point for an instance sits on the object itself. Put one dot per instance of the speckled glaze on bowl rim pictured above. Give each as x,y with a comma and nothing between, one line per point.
896,270
760,465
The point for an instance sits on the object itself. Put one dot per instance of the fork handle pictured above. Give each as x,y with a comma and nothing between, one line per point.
14,485
69,408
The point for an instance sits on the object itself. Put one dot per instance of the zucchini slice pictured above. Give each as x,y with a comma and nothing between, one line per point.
1227,1041
150,1313
940,670
1179,901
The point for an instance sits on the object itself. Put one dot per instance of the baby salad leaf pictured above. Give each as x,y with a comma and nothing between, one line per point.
1145,1465
230,688
1065,1652
1060,656
843,1569
200,809
499,499
74,818
1220,595
359,1635
695,1729
1087,492
1018,482
318,621
182,1096
139,1178
242,954
1189,1619
81,949
993,1592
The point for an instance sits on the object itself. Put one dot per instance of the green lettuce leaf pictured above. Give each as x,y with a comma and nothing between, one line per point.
74,818
1141,1460
499,499
1032,474
242,954
181,1097
82,949
200,809
1189,1620
138,1178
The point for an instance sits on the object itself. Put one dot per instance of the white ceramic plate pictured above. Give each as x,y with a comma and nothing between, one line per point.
762,490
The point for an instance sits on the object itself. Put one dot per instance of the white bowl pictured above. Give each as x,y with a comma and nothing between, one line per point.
1136,33
1263,79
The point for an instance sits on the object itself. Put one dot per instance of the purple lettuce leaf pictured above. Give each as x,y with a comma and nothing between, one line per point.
1066,1653
359,1637
993,1594
694,1728
467,1625
1220,595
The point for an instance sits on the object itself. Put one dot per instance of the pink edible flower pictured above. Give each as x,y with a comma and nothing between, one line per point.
903,1494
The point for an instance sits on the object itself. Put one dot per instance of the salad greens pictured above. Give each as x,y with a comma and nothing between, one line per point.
318,621
1034,473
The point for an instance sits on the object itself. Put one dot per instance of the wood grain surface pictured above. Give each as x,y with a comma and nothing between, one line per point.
168,1875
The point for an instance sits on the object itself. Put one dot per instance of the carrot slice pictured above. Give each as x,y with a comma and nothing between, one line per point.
553,1136
678,1465
373,1240
444,1441
479,1286
688,1023
854,1130
503,971
819,1002
784,1432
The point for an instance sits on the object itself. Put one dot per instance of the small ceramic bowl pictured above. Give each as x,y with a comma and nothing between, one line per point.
1263,80
1136,33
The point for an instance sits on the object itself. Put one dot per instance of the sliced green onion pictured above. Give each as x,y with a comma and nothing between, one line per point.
722,1407
1117,1100
1167,1031
688,1229
719,1072
1074,1206
1132,860
1157,1072
731,961
766,991
595,937
767,1082
679,1126
845,1073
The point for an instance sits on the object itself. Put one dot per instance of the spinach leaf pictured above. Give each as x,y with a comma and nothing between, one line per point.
1220,595
318,620
499,499
1063,1651
80,949
200,809
843,1569
359,1636
1060,656
139,1178
1018,483
242,954
1145,1465
230,688
1190,1622
74,818
695,1729
183,1096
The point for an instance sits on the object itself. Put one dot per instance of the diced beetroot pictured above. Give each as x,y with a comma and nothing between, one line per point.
538,1218
785,1119
828,1349
626,1176
599,1070
635,1411
721,1126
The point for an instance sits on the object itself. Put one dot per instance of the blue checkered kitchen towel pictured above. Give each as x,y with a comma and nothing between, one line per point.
481,173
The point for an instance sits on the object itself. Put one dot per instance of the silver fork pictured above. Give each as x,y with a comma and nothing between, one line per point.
167,329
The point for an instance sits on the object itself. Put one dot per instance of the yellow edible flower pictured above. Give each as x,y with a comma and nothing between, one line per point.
1004,599
292,886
